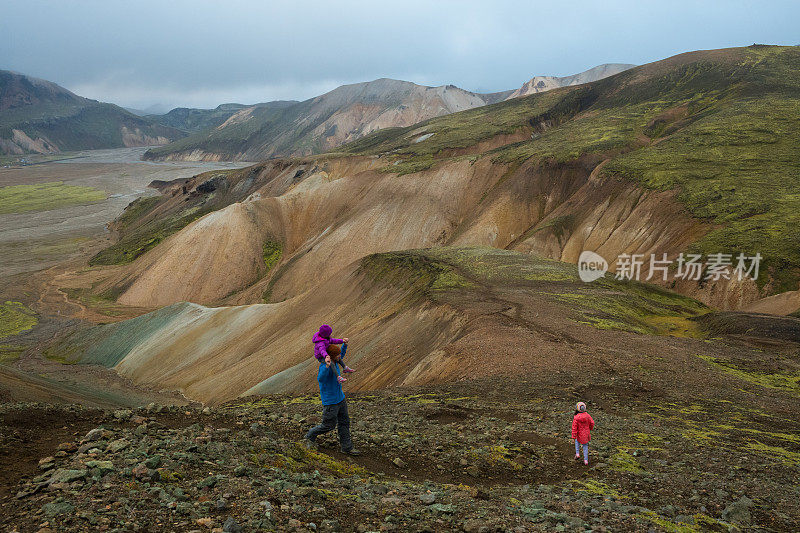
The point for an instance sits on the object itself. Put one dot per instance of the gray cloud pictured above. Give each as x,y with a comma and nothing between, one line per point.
205,53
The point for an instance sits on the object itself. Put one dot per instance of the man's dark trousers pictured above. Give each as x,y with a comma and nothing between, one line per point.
332,416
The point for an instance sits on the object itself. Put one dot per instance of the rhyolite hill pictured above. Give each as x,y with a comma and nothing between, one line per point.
344,114
695,152
264,253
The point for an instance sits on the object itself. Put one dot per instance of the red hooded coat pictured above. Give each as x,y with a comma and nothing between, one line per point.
582,424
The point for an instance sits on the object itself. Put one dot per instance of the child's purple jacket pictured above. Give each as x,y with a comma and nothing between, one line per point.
321,345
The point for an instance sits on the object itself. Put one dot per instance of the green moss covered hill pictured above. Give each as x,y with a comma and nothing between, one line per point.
722,126
194,120
40,116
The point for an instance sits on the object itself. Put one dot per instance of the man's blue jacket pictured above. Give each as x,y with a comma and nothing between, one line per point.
330,390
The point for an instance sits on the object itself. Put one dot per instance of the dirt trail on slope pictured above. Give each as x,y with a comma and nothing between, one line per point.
487,451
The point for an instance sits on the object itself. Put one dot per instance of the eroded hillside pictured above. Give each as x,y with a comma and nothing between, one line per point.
420,317
285,244
645,162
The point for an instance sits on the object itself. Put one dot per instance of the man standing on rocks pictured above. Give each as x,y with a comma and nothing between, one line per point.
334,409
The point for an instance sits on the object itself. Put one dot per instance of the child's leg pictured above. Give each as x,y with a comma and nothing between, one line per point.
345,368
340,362
339,377
586,453
577,449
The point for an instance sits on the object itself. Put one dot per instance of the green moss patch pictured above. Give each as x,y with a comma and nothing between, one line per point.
782,454
272,254
46,196
298,457
597,487
15,318
136,210
632,306
605,304
10,352
702,522
104,303
146,237
738,167
497,456
414,269
624,461
787,381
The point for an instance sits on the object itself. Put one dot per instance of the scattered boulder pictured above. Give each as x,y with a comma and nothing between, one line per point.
141,471
93,435
221,504
209,482
103,467
231,526
123,414
427,498
65,475
442,508
117,445
57,508
68,447
738,512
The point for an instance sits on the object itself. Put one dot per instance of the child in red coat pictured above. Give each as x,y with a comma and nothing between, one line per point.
582,424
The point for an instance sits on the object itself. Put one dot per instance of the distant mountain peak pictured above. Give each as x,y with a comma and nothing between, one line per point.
539,84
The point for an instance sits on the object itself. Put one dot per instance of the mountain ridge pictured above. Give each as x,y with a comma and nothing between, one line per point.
192,120
344,114
545,83
39,116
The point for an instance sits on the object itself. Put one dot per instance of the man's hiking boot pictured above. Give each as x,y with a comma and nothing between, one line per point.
352,451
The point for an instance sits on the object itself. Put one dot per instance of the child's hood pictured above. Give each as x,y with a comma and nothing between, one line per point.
319,338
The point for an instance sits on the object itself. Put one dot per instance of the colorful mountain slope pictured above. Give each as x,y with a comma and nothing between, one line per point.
346,113
408,311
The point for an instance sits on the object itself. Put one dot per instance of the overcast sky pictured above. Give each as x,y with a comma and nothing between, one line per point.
200,54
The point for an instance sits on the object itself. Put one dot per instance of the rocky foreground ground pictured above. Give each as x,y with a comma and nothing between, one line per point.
474,456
